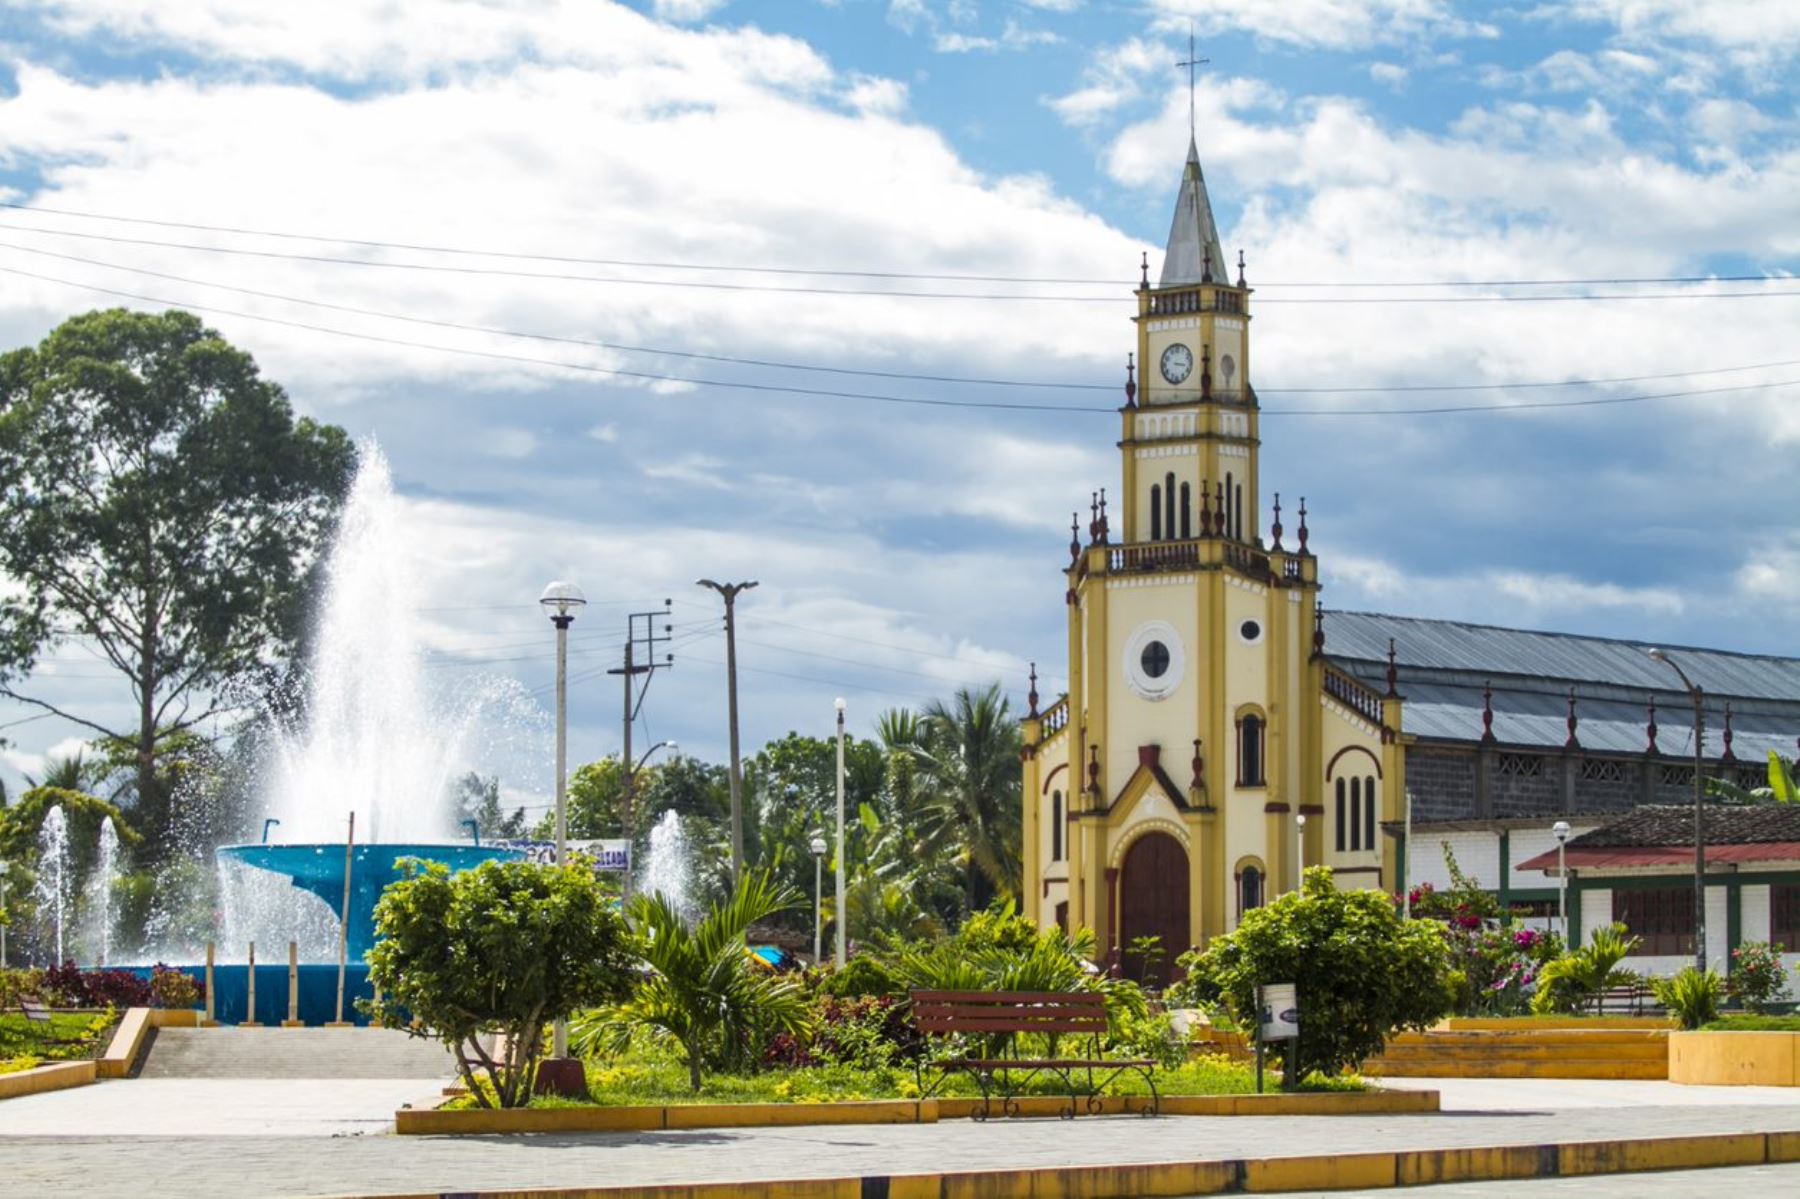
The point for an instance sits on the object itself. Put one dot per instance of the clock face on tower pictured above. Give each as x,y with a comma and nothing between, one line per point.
1177,362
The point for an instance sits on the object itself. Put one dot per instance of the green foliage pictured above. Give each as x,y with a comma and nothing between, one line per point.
69,1036
864,974
1758,978
173,989
504,948
1692,996
159,498
1147,952
1782,786
1361,973
967,779
706,994
21,823
1570,983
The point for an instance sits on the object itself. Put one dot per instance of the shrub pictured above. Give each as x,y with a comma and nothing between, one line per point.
1571,982
1692,996
504,948
1757,979
863,974
18,984
1360,971
172,988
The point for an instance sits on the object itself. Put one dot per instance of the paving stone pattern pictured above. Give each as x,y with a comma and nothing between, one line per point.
293,1053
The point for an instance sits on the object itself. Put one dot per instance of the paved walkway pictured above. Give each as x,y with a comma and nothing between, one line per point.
256,1137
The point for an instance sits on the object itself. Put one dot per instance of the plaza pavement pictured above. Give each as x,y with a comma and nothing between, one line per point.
240,1137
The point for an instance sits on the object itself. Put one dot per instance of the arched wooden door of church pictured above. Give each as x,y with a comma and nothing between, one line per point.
1153,901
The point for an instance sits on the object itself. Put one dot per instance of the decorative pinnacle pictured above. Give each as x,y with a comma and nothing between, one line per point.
1240,281
1031,696
1302,529
1318,628
1205,508
1206,266
1130,381
1727,756
1650,748
1074,538
1277,529
1205,372
1144,267
1104,530
1573,742
1487,713
1093,518
1393,674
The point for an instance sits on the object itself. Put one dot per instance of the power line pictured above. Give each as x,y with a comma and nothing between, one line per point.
841,273
825,393
774,364
861,292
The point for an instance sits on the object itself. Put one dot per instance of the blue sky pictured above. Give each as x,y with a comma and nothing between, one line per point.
904,550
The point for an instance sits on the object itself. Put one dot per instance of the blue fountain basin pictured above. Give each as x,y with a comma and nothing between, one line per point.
319,870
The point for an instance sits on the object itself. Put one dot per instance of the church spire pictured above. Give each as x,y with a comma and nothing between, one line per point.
1193,238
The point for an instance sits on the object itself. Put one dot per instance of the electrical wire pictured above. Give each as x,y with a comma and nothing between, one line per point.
866,293
773,364
826,272
825,393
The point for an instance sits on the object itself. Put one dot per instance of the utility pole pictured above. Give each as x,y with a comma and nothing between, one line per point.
640,629
730,591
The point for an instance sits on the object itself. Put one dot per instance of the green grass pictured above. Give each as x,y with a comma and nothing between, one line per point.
1754,1024
69,1036
14,1065
658,1083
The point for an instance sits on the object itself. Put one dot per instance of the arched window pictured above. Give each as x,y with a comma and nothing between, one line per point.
1187,514
1250,752
1250,890
1056,826
1356,814
1369,811
1226,524
1237,509
1155,512
1342,816
1169,504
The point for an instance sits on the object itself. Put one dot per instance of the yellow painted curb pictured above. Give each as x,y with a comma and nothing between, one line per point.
1309,1173
1735,1059
128,1039
57,1076
481,1122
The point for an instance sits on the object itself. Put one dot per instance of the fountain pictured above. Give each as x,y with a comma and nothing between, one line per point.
371,741
52,887
100,894
666,865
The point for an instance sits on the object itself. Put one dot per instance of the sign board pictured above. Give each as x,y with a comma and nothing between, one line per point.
1278,1011
610,855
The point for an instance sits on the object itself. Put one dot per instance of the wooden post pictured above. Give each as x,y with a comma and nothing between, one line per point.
211,991
344,928
249,1020
293,1016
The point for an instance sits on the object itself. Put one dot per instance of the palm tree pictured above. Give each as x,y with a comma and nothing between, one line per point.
706,993
968,766
1783,786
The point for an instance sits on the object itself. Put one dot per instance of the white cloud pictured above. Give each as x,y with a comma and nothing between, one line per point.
606,433
1515,598
962,43
1389,73
688,10
509,443
1325,24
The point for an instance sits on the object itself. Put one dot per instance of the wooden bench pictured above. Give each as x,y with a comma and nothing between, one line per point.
34,1010
997,1064
1634,1000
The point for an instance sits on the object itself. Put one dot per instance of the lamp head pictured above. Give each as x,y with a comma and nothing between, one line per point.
1560,830
1300,820
562,598
1658,655
818,847
672,748
839,704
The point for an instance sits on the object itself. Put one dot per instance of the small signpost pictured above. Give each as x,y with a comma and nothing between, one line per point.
1278,1019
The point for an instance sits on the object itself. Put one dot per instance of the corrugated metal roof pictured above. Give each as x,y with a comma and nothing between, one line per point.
1448,645
1716,855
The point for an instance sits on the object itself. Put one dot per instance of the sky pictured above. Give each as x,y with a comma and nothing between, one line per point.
668,197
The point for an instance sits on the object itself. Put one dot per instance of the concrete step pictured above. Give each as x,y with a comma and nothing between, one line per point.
1547,1037
1379,1067
292,1053
1547,1053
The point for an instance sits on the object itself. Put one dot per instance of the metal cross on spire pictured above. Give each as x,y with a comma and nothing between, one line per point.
1192,62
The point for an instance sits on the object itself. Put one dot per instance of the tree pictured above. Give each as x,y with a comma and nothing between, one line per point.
478,799
968,764
158,499
1361,973
1783,786
504,948
708,994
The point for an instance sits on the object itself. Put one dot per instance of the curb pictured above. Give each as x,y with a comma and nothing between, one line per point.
1411,1167
56,1076
435,1122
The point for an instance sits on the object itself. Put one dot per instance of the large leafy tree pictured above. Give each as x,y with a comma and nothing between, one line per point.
968,777
160,501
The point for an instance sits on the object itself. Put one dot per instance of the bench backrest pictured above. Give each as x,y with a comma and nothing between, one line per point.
34,1010
945,1012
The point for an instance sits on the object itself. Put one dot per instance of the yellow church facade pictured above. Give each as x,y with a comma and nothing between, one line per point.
1206,748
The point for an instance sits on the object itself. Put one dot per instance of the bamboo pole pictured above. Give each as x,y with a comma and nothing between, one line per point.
293,1016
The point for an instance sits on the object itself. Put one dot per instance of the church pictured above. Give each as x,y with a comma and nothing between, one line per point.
1224,729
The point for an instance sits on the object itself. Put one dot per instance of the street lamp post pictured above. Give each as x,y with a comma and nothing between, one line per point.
1695,694
1300,852
1561,831
840,922
561,600
818,852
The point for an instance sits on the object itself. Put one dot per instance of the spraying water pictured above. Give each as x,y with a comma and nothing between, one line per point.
52,888
666,866
100,892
